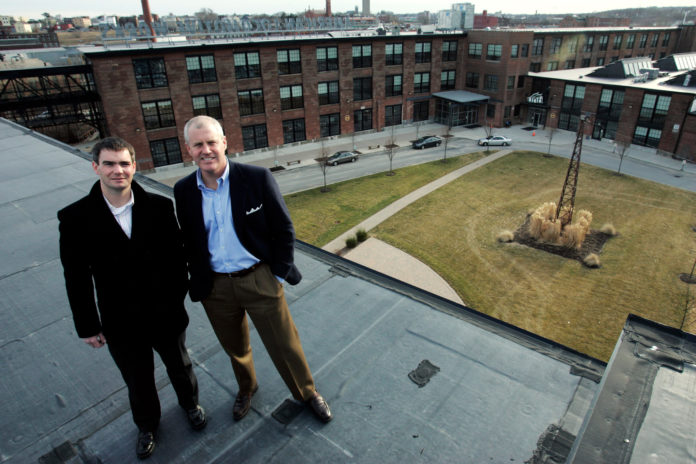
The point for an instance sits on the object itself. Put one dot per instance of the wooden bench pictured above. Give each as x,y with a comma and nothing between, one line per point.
290,163
372,147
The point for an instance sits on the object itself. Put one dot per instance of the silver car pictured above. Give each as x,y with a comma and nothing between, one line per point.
495,140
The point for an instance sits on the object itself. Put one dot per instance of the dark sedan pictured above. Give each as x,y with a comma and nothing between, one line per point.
427,141
342,157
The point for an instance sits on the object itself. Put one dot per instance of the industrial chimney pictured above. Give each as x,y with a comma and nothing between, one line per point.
148,18
328,7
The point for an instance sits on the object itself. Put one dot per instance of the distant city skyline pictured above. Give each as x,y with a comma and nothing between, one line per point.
69,8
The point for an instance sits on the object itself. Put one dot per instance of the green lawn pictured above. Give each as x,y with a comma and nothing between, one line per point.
454,231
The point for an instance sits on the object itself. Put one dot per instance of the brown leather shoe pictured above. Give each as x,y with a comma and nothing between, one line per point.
242,403
320,407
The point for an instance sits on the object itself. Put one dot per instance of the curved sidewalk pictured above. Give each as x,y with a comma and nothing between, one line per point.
393,262
373,221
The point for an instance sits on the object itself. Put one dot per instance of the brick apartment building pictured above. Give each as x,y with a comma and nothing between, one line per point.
275,90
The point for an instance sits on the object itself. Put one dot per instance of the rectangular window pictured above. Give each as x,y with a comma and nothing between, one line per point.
573,46
392,115
494,52
552,65
654,109
600,61
514,50
655,39
665,39
525,50
507,111
362,56
447,80
511,82
327,59
643,40
603,42
617,42
362,88
520,82
649,137
535,67
201,68
421,111
490,111
556,44
614,58
449,50
392,85
362,119
421,82
254,137
291,97
247,65
289,61
569,64
475,50
490,82
328,92
207,105
158,114
250,102
630,41
150,73
538,47
393,53
329,124
423,52
586,62
589,44
165,151
293,130
472,80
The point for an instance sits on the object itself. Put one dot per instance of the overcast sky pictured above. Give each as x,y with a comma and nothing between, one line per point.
34,8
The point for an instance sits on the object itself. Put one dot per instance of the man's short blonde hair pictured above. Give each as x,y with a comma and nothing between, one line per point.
199,122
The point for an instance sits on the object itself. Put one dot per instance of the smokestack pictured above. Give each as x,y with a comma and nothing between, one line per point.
328,7
148,18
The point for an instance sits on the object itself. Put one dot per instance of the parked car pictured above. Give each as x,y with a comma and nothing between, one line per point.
342,157
427,141
495,140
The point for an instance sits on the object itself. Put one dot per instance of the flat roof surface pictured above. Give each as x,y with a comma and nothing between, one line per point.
495,393
461,96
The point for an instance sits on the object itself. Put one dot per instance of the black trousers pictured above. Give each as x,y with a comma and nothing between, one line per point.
135,360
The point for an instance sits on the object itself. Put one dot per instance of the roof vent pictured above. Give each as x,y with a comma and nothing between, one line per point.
651,73
642,78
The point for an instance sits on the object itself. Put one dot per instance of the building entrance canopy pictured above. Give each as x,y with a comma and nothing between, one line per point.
458,107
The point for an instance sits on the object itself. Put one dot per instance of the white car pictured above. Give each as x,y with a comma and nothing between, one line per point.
495,140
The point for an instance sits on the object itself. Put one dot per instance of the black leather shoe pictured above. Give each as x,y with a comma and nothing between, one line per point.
242,403
320,407
196,418
146,444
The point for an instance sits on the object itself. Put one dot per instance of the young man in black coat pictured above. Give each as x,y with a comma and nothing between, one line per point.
125,243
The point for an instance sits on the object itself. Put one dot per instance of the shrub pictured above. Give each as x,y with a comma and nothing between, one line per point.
573,235
550,231
608,229
592,260
351,242
506,236
361,235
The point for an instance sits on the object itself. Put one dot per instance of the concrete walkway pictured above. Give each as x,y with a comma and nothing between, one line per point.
373,221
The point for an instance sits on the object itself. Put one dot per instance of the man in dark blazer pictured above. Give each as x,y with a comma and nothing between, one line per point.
239,243
126,243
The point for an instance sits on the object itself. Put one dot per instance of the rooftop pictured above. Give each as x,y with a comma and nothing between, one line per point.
410,376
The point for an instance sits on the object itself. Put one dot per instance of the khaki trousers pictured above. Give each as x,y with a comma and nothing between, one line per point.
261,296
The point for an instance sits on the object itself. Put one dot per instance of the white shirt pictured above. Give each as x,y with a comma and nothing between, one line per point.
124,214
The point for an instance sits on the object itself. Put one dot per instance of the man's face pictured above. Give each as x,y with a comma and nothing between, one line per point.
207,148
115,169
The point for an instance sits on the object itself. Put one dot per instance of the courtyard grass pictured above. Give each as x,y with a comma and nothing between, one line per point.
454,230
319,217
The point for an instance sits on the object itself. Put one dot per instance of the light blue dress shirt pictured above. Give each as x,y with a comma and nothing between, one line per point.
227,254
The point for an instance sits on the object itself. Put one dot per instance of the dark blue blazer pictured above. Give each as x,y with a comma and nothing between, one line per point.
261,220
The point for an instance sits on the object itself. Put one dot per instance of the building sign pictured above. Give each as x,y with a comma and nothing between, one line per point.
226,27
535,98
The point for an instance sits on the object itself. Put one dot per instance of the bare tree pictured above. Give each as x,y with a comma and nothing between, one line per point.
206,14
446,136
323,165
552,132
390,151
621,148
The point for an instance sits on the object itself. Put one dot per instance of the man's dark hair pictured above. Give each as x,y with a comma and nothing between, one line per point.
113,144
